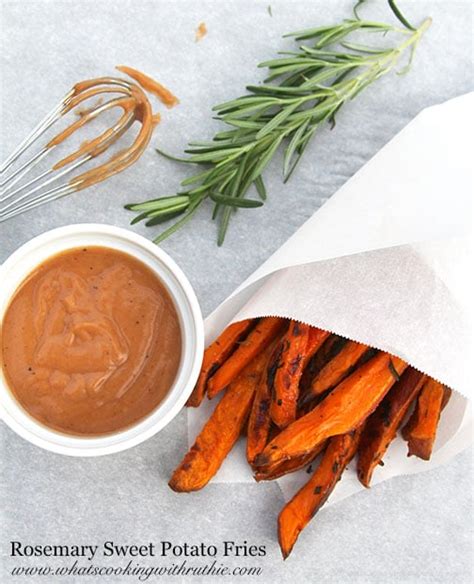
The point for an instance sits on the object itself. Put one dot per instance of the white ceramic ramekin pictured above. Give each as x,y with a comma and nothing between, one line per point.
33,253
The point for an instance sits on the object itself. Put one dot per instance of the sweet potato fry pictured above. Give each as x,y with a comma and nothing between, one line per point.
298,512
258,339
285,369
258,426
288,466
336,369
220,432
329,349
420,430
343,410
215,355
381,427
316,339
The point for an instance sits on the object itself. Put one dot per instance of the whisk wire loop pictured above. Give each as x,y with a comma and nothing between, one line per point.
20,193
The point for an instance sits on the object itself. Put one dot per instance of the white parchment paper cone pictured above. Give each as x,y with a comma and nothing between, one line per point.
384,262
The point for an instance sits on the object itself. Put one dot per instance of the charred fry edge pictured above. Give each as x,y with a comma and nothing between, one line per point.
331,346
288,466
298,512
288,367
259,423
382,426
337,368
420,430
316,340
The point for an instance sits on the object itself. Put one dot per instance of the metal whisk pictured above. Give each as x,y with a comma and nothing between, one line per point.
20,191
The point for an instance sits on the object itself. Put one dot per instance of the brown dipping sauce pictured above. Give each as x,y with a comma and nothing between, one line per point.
91,341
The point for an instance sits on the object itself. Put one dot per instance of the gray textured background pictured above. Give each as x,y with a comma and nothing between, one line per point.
410,529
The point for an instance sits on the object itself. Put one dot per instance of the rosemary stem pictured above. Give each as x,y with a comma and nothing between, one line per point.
304,89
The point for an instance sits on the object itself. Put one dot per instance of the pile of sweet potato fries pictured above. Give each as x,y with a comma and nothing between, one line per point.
300,394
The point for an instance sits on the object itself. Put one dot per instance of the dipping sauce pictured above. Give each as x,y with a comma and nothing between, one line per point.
90,342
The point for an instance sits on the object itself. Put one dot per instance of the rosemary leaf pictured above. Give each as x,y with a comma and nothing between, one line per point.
234,201
260,186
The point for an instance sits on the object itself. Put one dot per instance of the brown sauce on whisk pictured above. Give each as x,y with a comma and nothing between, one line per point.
135,107
151,85
90,342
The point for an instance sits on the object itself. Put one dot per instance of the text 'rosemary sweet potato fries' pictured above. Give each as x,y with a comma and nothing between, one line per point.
304,396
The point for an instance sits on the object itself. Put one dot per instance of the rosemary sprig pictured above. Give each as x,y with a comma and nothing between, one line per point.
304,89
